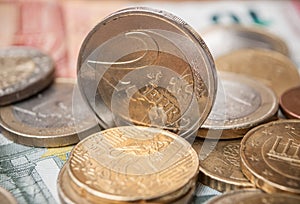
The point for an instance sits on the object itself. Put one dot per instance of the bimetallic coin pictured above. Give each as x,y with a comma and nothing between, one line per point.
132,164
220,168
46,120
241,104
147,67
270,156
24,71
290,103
241,37
272,68
254,196
6,197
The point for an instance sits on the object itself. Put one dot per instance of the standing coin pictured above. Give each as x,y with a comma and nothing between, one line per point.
45,120
254,196
241,103
23,72
6,197
290,103
147,67
270,156
241,37
272,68
220,168
130,164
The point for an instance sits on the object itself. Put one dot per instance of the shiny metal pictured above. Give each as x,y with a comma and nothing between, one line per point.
132,164
220,169
147,67
270,156
46,120
24,71
223,39
272,68
241,104
290,103
254,196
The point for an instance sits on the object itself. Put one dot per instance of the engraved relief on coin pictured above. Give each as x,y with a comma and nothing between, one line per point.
144,71
45,119
132,163
272,68
270,156
242,104
222,165
23,72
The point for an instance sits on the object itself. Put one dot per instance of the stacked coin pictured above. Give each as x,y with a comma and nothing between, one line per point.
130,164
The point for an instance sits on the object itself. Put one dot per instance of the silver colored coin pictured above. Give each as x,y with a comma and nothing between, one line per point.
241,104
24,71
46,120
146,67
241,37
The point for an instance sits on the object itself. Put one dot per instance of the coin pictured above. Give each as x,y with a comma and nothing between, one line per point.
24,72
254,196
241,103
46,120
272,68
290,103
131,164
147,67
270,156
6,197
241,37
220,168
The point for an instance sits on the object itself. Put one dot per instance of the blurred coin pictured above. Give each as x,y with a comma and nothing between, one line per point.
131,164
254,196
46,120
241,103
290,103
147,67
6,197
24,71
241,37
220,168
272,68
270,156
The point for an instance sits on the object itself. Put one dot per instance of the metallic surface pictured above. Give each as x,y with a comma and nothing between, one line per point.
46,120
241,37
270,156
163,44
290,103
6,197
241,104
220,169
273,69
254,196
132,163
24,71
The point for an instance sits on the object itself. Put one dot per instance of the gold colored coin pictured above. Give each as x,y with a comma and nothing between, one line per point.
46,120
220,167
241,103
270,67
270,156
254,196
132,163
68,194
6,197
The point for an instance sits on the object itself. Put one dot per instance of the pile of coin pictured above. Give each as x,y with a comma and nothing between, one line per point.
167,120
